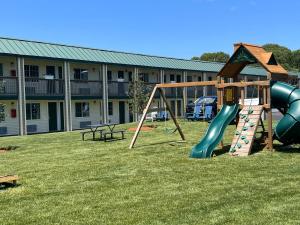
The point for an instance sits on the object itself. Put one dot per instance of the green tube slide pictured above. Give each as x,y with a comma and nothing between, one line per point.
215,132
286,96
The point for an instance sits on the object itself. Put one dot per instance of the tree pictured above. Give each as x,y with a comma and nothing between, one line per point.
139,93
296,60
2,106
195,58
213,57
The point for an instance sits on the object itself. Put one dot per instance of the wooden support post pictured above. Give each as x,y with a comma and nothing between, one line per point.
172,114
265,95
270,131
142,119
218,93
243,96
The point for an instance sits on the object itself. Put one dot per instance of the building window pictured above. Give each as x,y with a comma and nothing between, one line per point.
50,70
110,109
1,69
82,109
165,78
81,74
172,77
199,78
121,75
178,78
144,77
109,75
209,78
31,71
33,111
189,78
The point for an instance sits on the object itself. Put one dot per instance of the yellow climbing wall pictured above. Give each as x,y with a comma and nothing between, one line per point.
246,129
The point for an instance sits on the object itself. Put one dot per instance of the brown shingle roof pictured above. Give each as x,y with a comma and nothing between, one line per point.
263,58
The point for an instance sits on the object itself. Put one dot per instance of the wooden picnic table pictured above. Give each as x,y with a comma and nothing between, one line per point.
97,128
111,126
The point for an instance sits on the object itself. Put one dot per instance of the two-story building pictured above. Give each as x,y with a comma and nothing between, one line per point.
52,87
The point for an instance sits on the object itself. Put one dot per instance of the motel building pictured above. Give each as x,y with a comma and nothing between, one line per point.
52,87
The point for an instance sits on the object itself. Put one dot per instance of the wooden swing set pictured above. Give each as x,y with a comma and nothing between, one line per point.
233,91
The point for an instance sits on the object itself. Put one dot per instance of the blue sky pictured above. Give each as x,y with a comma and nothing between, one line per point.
175,28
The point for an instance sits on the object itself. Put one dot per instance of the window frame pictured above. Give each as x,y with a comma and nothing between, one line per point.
110,108
82,112
121,75
79,75
33,113
31,71
172,78
51,68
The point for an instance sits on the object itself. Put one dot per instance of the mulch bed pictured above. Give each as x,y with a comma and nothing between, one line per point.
7,149
144,128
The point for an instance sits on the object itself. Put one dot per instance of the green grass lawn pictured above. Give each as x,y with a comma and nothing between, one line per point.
64,180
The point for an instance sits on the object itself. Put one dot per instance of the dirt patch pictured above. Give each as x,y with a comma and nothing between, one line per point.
7,149
144,128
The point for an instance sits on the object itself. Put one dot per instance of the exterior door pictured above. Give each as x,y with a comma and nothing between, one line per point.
62,122
52,115
121,112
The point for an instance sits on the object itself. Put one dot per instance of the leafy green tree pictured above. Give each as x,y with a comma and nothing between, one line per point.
2,112
296,60
139,93
2,106
215,57
195,58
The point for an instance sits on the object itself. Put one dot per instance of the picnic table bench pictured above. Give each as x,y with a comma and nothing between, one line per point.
111,133
103,133
83,133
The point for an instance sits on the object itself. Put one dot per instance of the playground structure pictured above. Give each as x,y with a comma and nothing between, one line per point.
231,91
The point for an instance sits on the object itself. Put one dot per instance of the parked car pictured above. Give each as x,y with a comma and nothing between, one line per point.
201,103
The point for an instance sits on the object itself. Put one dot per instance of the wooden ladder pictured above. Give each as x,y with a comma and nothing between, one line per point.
245,148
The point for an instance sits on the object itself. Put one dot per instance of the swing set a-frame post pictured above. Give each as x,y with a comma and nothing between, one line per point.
146,111
159,87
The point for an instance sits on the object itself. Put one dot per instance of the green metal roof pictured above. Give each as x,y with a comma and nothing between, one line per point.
65,52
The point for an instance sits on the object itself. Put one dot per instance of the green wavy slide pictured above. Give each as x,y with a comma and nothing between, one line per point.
215,132
286,98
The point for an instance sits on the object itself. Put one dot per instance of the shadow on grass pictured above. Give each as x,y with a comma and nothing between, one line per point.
171,142
286,148
222,151
6,186
255,149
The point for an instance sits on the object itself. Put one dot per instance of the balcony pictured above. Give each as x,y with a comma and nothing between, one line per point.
194,92
118,89
86,89
8,88
44,88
